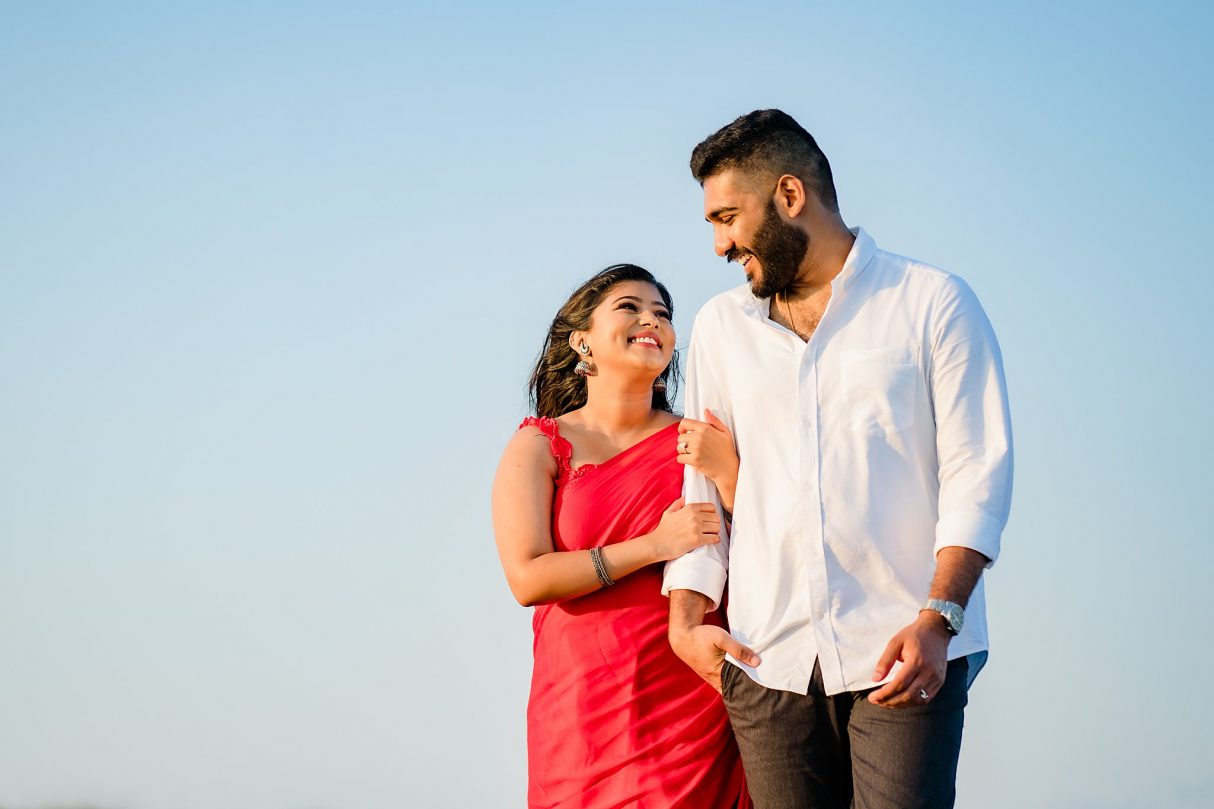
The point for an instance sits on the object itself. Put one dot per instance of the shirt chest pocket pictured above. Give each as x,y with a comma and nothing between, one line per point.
881,389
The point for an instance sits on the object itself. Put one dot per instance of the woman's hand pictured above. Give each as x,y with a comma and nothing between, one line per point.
708,446
684,528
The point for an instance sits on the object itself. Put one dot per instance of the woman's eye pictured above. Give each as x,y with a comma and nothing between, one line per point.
629,306
664,315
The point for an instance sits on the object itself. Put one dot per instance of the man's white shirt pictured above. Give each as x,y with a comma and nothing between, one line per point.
863,452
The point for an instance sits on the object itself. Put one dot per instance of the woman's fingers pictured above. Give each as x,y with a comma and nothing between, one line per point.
711,419
690,425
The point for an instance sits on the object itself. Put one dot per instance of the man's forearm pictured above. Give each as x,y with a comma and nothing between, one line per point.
702,646
687,609
957,573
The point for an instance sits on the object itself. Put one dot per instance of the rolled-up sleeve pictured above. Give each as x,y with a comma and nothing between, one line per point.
973,424
704,569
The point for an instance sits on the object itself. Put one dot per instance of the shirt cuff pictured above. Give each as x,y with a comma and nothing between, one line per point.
974,530
695,572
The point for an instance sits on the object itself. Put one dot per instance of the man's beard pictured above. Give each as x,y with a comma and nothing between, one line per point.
780,249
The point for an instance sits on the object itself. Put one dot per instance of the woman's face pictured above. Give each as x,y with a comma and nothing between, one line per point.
630,331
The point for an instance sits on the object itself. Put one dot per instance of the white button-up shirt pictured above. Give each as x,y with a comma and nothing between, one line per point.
864,451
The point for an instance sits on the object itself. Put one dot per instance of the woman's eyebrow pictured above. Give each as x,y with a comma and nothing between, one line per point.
638,300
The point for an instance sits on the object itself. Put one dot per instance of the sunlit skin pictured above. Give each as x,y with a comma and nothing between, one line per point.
736,206
630,342
619,393
708,446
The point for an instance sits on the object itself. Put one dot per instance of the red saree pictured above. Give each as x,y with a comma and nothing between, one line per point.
615,719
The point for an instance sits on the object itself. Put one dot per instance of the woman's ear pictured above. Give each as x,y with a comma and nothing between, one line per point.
577,341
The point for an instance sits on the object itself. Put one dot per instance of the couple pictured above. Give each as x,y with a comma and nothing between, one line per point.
850,470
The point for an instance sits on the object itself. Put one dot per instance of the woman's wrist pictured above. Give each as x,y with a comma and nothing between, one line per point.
647,546
727,489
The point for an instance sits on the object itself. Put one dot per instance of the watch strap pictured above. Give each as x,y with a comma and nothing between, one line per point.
953,614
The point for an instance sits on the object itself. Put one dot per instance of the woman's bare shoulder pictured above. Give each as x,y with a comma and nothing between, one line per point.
530,447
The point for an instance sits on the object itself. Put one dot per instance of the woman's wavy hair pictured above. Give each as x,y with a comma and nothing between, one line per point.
555,388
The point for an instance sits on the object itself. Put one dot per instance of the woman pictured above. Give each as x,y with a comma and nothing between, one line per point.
585,507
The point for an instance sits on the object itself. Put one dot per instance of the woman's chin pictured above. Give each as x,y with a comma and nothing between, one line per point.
635,378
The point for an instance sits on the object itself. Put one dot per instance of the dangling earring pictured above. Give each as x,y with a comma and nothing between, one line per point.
584,366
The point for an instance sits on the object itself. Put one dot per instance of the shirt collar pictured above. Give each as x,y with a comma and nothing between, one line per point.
862,252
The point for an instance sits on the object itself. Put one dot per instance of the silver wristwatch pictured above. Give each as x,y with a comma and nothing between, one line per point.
954,616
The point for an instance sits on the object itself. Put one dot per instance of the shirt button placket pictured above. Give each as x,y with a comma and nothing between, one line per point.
815,557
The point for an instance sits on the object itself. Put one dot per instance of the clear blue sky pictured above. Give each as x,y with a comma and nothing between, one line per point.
272,276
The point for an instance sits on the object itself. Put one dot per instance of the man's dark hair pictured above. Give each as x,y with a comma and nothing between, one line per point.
762,143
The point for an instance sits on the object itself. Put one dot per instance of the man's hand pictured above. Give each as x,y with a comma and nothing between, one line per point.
703,648
923,649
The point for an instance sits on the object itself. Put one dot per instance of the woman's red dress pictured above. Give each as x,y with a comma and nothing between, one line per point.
615,719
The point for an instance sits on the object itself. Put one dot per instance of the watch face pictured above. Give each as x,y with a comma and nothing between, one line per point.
956,618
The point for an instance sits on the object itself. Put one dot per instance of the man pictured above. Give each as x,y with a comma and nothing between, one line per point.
866,397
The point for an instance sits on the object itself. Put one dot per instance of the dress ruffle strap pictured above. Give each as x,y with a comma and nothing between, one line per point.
562,450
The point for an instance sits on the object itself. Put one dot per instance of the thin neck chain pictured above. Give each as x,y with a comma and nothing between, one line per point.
791,323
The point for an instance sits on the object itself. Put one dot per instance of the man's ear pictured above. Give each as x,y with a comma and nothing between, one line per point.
790,195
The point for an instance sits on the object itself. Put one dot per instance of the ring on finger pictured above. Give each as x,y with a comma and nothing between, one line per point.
682,447
923,695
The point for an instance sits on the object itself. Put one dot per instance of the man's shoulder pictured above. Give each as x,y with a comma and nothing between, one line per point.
919,275
913,268
940,297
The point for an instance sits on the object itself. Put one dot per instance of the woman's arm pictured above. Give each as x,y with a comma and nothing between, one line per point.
522,519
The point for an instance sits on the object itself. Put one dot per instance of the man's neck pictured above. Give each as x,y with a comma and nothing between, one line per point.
824,260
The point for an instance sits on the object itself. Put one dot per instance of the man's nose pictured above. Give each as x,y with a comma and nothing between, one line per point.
721,242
